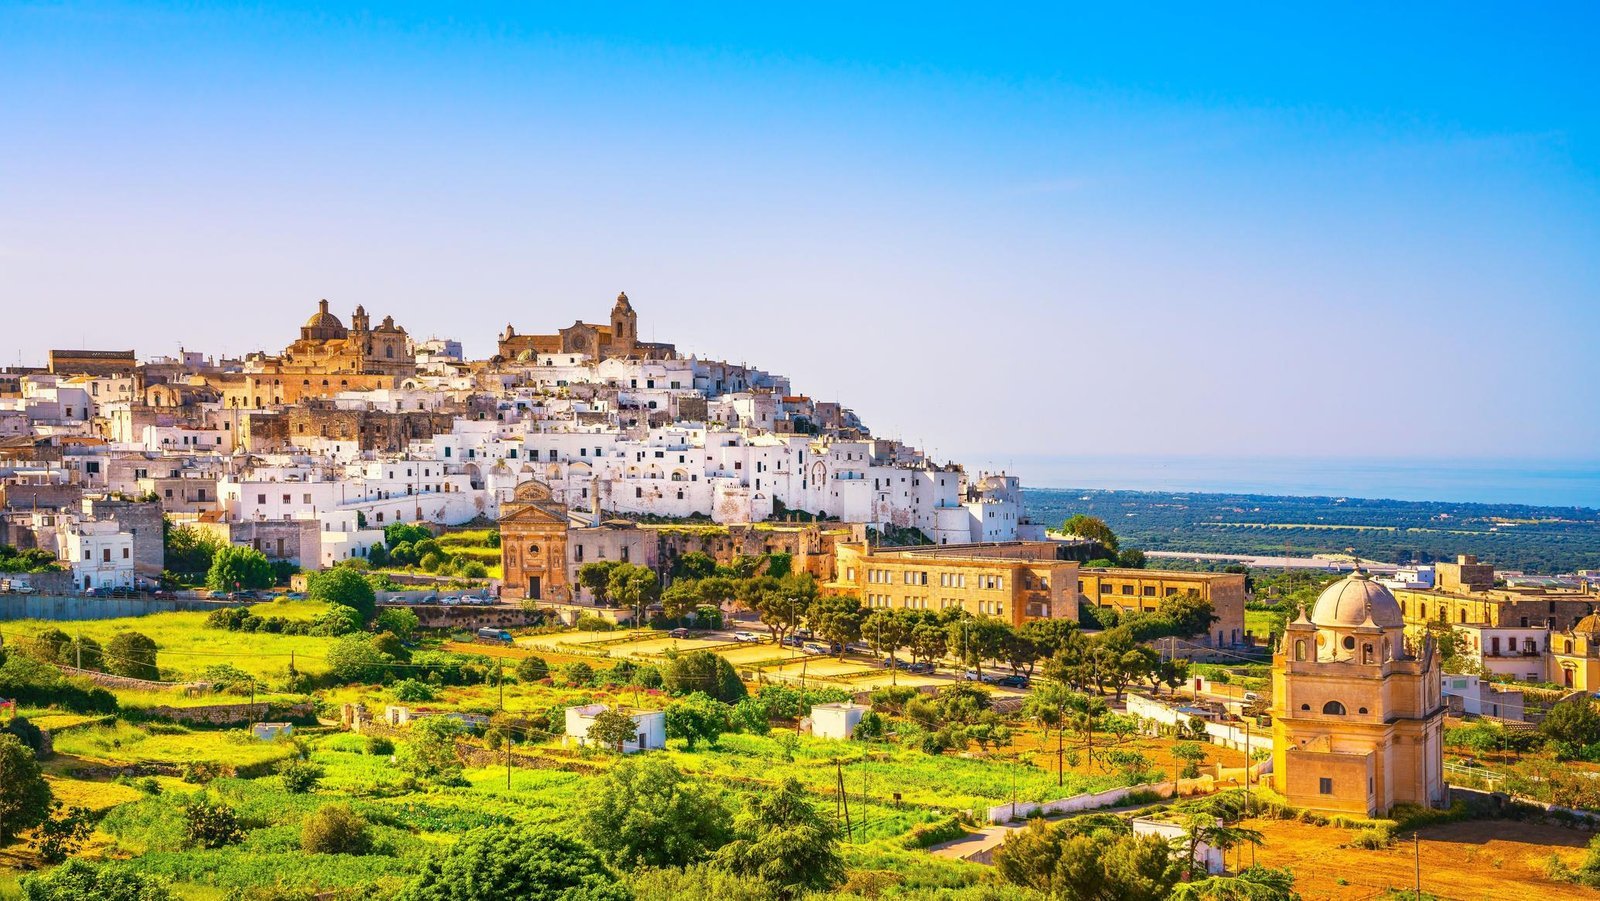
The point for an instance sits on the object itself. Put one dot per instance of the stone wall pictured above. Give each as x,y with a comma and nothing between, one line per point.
59,582
375,430
67,608
470,618
235,714
810,548
143,520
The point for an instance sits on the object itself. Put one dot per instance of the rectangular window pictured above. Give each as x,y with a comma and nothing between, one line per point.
1127,589
124,553
1325,785
1149,591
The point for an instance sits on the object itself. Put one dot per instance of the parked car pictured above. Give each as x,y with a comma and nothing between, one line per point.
746,636
1012,681
793,641
450,600
920,668
679,632
812,647
970,675
429,599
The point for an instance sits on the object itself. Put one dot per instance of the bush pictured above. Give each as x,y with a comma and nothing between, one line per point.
25,798
378,746
591,623
76,880
492,863
411,691
706,672
354,658
335,829
132,655
578,674
1375,838
474,569
210,824
926,835
532,669
300,776
337,620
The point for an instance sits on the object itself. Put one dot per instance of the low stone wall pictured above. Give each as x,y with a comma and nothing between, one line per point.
470,617
71,608
475,756
108,680
235,714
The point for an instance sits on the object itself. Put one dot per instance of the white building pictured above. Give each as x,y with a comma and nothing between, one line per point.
650,727
836,721
101,555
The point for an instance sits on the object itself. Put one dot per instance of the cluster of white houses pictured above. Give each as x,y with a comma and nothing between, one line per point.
309,453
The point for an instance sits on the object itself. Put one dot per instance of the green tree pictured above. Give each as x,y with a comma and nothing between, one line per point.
343,585
1049,705
1131,558
430,750
611,729
634,587
335,829
786,842
1087,860
396,534
697,882
694,565
782,604
1092,528
1575,723
355,658
502,862
399,622
77,880
1254,883
929,642
48,645
188,551
680,599
888,631
133,655
703,671
25,796
837,618
532,669
975,639
236,568
646,813
596,576
696,718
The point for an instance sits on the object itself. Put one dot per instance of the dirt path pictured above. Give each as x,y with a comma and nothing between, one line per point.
1473,861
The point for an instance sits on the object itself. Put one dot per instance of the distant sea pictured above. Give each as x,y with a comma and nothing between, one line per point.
1545,483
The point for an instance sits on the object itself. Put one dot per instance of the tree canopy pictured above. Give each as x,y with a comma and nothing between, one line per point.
343,585
236,568
499,862
786,842
646,813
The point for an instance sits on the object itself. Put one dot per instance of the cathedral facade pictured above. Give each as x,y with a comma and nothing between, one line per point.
617,339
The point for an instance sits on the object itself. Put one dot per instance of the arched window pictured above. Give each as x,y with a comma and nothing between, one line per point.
1300,649
1366,653
1362,711
1333,708
1306,707
533,549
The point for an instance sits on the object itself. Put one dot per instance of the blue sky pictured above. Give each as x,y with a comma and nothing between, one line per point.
1353,232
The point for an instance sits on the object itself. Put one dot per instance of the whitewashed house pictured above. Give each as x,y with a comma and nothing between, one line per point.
650,727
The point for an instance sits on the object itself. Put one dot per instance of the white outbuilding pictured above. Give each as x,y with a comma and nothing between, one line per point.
650,727
836,720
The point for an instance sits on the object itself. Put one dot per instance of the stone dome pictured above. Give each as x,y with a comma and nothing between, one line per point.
324,319
1353,600
1589,625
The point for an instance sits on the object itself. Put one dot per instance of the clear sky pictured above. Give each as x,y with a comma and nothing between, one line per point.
1353,232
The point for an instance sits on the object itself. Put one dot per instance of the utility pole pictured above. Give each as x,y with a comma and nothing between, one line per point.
1416,847
499,677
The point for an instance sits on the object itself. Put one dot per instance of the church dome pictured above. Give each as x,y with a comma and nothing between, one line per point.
1353,600
323,319
1589,625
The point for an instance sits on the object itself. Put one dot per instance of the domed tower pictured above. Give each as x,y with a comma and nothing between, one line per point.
624,327
1358,715
322,326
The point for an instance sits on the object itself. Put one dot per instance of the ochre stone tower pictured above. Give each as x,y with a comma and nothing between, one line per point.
1357,715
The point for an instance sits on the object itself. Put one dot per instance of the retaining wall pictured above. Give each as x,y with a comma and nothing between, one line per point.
69,608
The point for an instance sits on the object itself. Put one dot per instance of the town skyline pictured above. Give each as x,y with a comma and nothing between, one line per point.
1195,220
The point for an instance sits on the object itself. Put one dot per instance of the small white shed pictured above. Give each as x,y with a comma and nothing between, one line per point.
1205,856
650,727
271,731
837,721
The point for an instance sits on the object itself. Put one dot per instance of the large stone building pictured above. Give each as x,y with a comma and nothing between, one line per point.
1466,593
1010,581
619,338
1358,713
1143,590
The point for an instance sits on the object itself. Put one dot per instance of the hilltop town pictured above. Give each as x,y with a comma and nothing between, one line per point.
592,618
